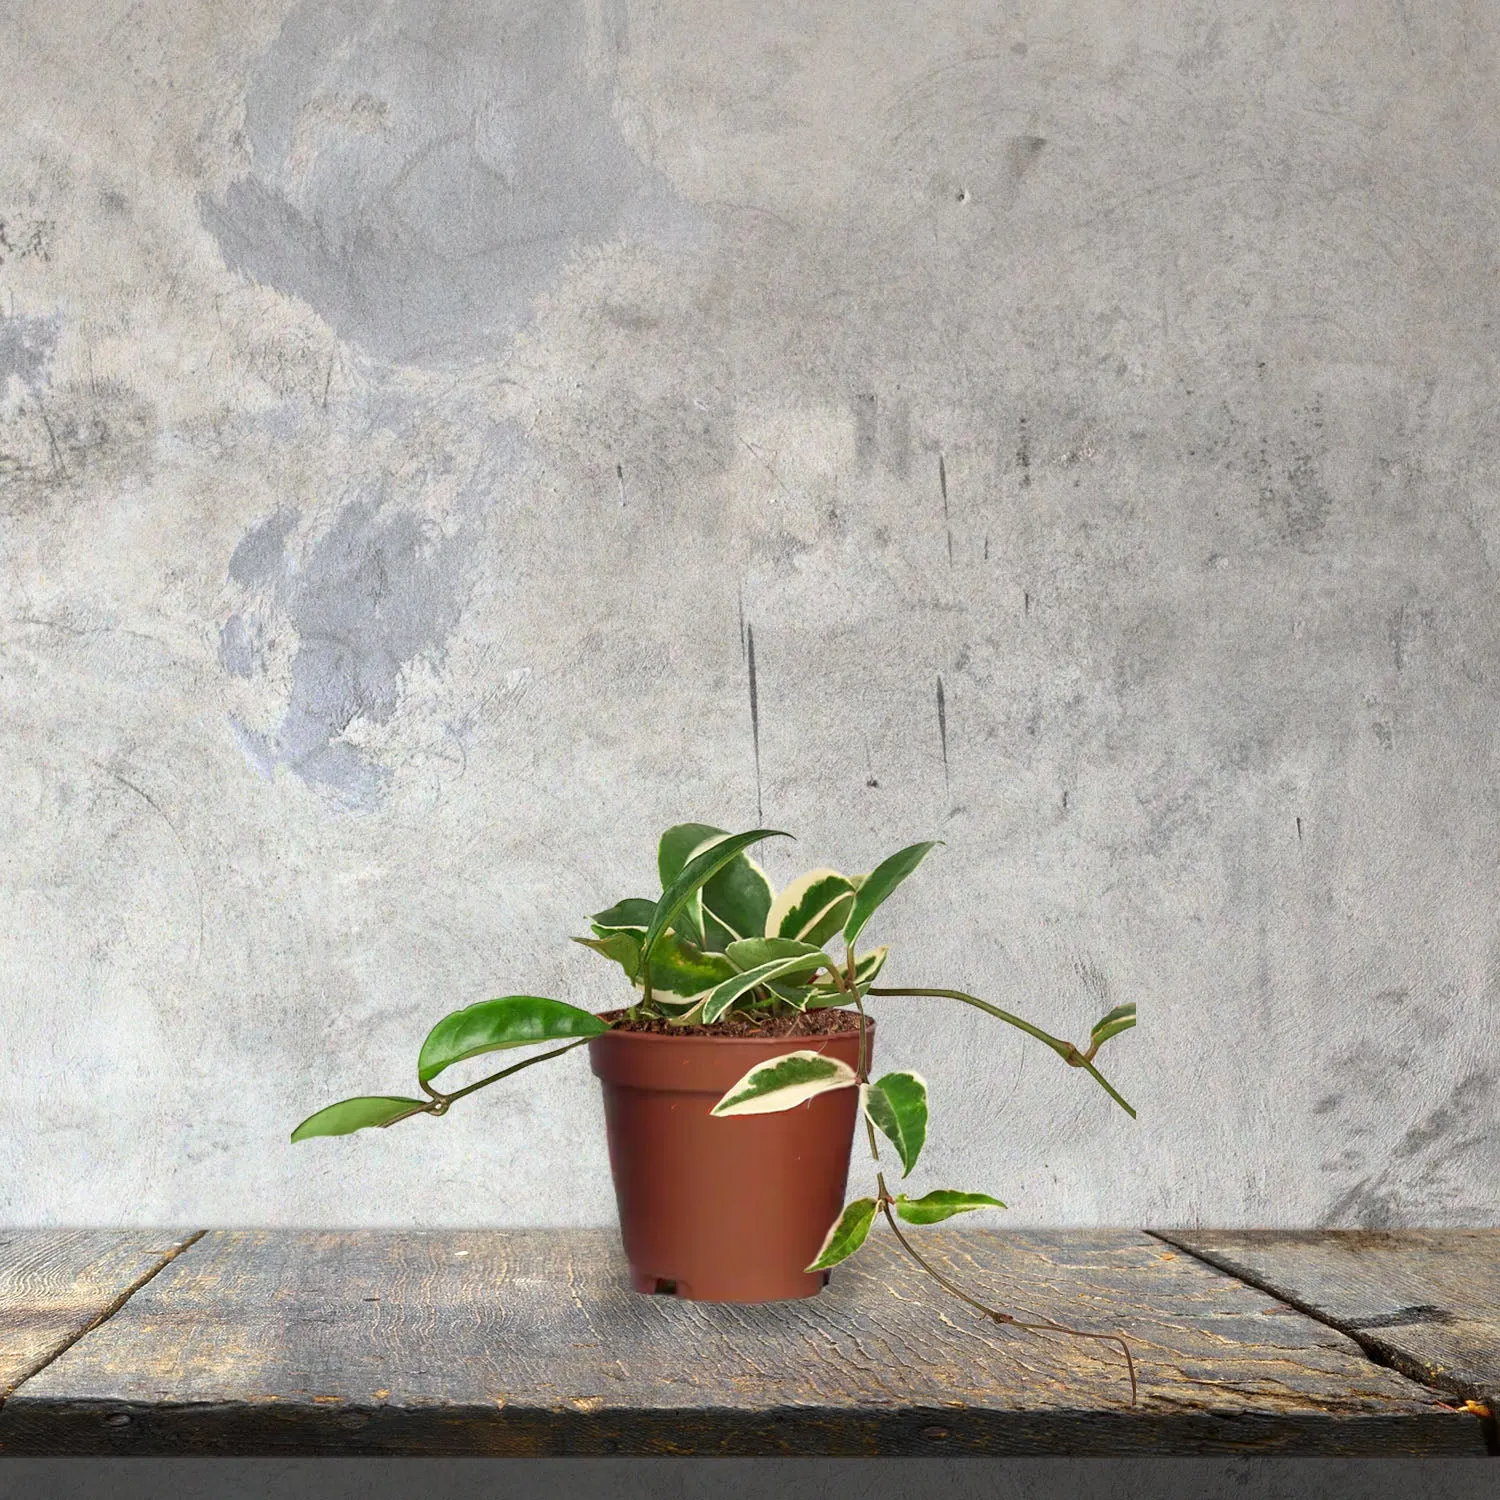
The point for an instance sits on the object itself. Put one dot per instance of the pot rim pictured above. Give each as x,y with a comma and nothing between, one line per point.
748,1041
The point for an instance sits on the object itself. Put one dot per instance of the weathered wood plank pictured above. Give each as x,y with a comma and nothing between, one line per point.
530,1342
1425,1301
56,1283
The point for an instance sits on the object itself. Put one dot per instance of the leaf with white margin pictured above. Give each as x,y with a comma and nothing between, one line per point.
733,989
847,1234
731,905
897,1105
689,881
785,1082
751,953
867,969
812,908
1121,1018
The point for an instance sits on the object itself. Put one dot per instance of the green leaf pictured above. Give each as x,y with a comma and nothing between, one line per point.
731,905
735,903
940,1205
879,884
785,1082
678,845
691,879
630,915
751,953
812,908
349,1115
1121,1018
678,967
847,1235
732,989
624,947
685,971
898,1106
495,1025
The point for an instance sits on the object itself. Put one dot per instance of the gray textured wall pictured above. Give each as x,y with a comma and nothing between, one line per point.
410,410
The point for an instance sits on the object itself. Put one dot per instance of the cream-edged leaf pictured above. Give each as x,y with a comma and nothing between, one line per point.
846,1235
897,1105
785,1082
812,908
741,984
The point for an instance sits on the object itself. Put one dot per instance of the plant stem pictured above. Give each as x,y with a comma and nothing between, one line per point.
885,1200
1065,1050
440,1102
1045,1325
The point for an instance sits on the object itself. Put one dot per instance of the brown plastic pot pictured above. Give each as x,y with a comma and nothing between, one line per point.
714,1209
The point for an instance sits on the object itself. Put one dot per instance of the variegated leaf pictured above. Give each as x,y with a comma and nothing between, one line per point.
732,905
735,903
751,953
742,984
847,1234
683,893
812,908
785,1082
941,1204
897,1104
678,845
685,972
1121,1018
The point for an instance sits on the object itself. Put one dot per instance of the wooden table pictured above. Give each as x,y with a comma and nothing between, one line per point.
530,1342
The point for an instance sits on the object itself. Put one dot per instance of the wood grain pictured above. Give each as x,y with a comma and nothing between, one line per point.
530,1342
1425,1301
55,1284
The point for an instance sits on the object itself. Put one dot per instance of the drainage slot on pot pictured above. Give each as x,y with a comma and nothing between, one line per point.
666,1286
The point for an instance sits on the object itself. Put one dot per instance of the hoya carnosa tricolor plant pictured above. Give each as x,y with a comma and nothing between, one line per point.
720,945
735,947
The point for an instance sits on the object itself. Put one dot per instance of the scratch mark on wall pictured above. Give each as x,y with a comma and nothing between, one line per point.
754,717
1023,456
943,488
942,716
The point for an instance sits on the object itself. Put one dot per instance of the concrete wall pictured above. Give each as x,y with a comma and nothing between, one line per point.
413,410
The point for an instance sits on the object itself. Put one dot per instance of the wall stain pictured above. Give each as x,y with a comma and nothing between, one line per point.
416,178
375,592
26,349
1409,1188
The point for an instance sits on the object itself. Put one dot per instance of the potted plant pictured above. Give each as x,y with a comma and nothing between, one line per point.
734,1079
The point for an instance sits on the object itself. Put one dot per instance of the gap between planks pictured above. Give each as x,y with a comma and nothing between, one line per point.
1374,1350
103,1315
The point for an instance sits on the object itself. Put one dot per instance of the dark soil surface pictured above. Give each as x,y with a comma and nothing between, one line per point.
807,1023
